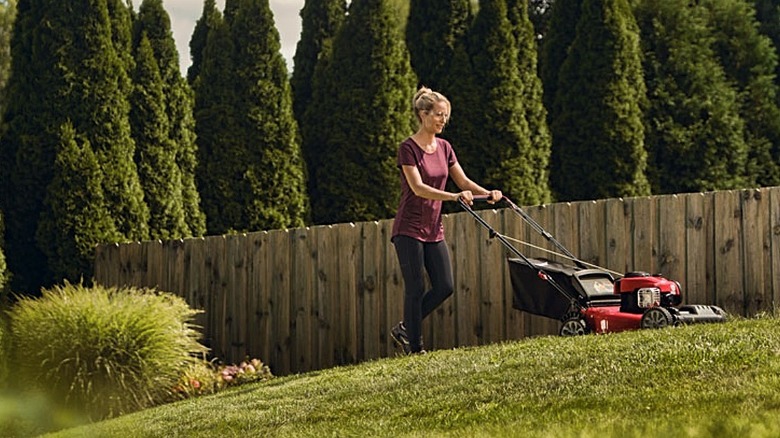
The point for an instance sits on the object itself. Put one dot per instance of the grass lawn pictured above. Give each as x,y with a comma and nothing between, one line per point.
718,380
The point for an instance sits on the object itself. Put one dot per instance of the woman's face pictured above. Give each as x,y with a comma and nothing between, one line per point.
436,118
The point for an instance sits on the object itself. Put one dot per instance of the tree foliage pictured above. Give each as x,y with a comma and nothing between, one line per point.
321,21
75,217
695,136
178,103
750,61
67,72
252,172
598,136
433,31
491,116
363,104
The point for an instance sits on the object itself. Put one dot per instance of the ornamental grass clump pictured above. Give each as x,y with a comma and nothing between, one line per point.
106,351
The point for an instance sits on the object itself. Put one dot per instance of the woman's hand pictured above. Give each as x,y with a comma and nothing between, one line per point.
494,196
466,196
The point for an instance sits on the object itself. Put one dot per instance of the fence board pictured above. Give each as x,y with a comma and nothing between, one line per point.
372,294
728,266
347,297
466,274
493,265
154,257
643,234
236,295
756,249
617,219
671,238
327,290
303,264
592,232
394,289
774,269
279,252
258,306
698,284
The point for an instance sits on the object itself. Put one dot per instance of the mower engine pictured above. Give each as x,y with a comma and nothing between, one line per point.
640,291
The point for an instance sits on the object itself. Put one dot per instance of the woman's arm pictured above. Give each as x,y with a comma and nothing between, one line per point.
414,179
464,183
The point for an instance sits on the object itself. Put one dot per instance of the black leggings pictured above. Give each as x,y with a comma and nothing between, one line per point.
413,256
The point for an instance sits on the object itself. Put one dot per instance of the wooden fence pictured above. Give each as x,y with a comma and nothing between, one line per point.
311,298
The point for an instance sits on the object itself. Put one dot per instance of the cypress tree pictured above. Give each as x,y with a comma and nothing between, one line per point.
434,29
365,95
155,153
750,61
499,153
768,16
563,18
199,37
598,137
25,144
532,99
216,117
179,107
75,217
66,71
273,184
321,21
694,134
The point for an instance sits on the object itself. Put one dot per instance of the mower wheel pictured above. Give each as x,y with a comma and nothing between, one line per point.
656,317
574,326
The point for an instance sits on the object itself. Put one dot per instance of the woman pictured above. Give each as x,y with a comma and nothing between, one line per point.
426,162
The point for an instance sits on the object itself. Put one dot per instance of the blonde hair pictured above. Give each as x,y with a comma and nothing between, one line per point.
425,98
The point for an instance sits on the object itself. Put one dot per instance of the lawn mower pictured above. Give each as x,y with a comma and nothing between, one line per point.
588,299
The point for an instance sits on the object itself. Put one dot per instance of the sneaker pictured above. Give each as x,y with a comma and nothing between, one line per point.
398,333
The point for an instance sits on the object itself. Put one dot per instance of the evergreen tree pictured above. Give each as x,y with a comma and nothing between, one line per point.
365,97
273,179
199,37
219,153
563,18
154,21
434,29
252,172
500,152
694,135
749,60
321,21
768,16
532,93
65,71
155,153
75,217
598,137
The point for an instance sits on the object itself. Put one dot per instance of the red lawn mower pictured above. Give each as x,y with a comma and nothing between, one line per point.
589,299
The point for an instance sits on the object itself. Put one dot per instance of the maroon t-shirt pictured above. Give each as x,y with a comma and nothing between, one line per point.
418,217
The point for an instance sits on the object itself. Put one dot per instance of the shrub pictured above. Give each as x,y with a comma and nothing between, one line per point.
206,378
107,351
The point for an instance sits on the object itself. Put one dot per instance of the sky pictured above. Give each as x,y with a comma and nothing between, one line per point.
184,14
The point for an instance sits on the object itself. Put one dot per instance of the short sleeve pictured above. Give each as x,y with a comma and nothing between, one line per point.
406,155
450,152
